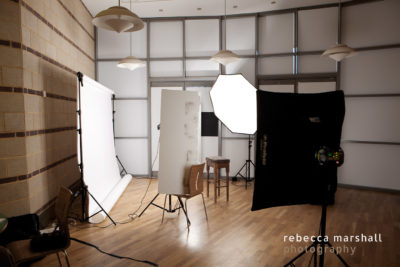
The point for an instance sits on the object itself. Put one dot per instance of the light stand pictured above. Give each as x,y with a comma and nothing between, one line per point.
247,165
325,156
83,190
319,242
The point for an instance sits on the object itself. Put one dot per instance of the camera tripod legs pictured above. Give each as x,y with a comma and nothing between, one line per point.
319,241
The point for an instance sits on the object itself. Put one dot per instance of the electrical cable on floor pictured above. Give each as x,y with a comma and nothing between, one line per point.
148,186
110,254
131,216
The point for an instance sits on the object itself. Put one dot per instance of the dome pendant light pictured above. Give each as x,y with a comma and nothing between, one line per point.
119,19
225,57
131,62
339,51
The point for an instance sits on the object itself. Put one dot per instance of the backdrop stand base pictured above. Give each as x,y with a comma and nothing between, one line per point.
169,209
101,209
84,192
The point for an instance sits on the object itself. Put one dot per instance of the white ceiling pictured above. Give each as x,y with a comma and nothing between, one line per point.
180,8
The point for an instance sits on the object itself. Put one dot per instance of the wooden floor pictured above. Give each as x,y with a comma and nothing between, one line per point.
235,236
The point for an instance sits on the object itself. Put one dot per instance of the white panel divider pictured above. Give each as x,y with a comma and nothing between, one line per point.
180,143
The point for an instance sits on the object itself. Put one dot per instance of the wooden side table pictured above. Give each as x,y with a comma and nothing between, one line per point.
217,163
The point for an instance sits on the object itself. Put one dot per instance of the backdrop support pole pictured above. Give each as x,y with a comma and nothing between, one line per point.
113,121
84,190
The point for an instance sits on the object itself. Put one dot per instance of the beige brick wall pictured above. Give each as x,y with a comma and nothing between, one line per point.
10,25
13,195
38,142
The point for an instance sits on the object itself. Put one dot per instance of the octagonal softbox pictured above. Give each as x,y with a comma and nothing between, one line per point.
291,128
234,102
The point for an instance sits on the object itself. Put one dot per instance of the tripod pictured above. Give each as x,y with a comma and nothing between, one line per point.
169,209
246,166
321,241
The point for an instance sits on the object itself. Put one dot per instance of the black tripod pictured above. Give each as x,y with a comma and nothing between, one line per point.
246,166
169,209
320,241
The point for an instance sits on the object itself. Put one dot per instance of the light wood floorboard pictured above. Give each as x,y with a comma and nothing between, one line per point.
235,236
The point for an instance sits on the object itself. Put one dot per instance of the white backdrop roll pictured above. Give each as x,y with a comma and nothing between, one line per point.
100,168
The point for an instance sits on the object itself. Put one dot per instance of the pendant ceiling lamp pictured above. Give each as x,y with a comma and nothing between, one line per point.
119,19
131,62
225,57
339,51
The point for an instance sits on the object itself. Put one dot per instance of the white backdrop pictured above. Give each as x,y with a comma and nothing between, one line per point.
100,168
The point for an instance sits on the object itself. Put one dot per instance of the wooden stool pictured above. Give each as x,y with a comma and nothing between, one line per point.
217,163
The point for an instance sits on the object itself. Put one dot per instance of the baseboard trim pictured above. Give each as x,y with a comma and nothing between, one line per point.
376,189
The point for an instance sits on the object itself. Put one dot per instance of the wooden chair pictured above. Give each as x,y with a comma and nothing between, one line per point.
21,250
195,183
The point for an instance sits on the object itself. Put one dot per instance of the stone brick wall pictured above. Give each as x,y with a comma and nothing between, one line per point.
42,46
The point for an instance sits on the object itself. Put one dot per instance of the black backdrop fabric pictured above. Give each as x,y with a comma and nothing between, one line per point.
291,128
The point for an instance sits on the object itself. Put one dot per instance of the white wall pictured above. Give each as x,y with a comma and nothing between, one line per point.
130,87
374,120
180,48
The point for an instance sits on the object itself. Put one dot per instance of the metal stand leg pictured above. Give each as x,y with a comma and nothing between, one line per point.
123,168
165,201
59,260
184,211
101,208
66,258
204,204
148,205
